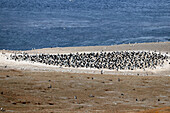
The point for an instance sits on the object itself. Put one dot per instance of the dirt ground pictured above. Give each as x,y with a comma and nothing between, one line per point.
53,92
37,88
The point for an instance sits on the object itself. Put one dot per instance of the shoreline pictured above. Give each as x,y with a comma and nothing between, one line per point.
25,65
148,46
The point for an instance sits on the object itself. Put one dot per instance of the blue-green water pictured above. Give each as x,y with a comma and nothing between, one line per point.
27,24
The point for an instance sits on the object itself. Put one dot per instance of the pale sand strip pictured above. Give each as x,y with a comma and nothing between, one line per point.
161,46
23,65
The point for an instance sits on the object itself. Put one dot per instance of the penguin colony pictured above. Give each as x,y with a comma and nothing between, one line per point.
116,60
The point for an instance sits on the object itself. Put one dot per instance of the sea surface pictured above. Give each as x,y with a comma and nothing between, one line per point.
27,24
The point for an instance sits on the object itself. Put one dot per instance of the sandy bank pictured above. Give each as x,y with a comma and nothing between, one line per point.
23,65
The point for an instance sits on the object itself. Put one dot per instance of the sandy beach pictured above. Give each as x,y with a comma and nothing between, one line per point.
36,88
26,65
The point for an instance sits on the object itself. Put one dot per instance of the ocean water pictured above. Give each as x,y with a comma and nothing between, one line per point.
27,24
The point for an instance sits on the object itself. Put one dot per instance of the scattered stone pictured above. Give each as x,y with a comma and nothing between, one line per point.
24,102
110,79
91,95
37,103
143,99
14,103
75,97
80,107
50,86
2,109
106,89
51,103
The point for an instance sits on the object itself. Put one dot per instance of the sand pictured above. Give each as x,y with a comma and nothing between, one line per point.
23,65
25,86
